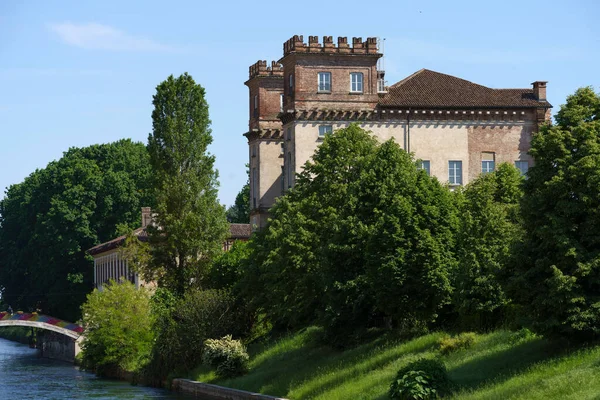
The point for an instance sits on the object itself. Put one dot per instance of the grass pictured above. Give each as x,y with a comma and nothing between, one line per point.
499,365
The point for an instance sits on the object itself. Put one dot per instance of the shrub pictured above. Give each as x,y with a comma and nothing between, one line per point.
118,328
451,344
227,355
422,379
522,335
184,324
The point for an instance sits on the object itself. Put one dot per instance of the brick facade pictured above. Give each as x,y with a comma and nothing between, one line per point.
440,118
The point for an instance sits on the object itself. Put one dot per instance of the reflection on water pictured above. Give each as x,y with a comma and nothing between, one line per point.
25,376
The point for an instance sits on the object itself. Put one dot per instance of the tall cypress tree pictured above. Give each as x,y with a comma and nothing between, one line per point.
190,224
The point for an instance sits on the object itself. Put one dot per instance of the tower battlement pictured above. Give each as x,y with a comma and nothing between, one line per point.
296,45
260,69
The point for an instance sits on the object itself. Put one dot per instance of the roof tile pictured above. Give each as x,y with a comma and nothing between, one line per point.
430,89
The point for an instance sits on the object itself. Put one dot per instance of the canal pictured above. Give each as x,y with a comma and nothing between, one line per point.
23,375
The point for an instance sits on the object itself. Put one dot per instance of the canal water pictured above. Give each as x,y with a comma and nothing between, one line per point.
23,375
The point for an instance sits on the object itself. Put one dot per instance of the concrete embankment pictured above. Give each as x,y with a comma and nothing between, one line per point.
214,392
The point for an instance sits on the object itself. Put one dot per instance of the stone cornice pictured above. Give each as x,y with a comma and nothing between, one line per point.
388,114
264,134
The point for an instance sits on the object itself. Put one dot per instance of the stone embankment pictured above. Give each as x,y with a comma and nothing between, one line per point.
214,392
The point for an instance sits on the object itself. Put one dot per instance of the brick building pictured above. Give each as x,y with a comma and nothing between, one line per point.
458,129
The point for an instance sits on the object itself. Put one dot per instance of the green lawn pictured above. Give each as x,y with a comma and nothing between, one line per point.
500,365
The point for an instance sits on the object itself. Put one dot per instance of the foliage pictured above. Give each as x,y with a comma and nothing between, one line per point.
19,334
118,328
556,274
227,270
136,252
489,228
183,328
190,223
362,236
421,380
228,356
239,212
48,221
450,344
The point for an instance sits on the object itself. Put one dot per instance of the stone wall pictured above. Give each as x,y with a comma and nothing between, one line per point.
214,392
436,141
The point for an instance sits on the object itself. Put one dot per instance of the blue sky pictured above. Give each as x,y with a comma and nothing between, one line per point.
76,73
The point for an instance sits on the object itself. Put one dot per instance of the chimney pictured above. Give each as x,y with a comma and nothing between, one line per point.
146,216
539,90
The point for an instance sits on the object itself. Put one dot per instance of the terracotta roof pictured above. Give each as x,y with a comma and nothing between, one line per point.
237,231
430,89
240,231
141,234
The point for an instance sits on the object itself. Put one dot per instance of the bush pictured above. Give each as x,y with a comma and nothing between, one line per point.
118,328
422,379
451,344
227,355
184,326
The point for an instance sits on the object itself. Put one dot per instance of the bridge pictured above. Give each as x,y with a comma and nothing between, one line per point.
36,320
64,347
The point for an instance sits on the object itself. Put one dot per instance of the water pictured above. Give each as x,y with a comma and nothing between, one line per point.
25,376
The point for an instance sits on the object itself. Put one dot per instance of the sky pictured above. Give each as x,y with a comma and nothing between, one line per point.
77,73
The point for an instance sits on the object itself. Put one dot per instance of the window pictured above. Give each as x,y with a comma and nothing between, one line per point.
324,81
282,148
291,79
356,82
381,86
487,162
324,130
424,165
522,166
281,102
455,172
289,134
255,105
253,152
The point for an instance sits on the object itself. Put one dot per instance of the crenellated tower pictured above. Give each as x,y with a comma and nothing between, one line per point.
324,83
265,140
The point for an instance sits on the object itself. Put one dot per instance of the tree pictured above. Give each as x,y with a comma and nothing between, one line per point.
239,212
557,272
489,228
118,328
190,223
48,221
226,271
362,237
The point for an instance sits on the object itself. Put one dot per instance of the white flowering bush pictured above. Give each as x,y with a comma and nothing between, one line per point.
227,355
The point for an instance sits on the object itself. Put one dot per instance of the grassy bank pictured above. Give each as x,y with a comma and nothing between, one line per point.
499,365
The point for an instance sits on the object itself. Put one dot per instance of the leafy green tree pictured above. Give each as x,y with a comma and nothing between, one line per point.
362,236
557,273
239,212
190,223
226,271
489,228
48,221
118,328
